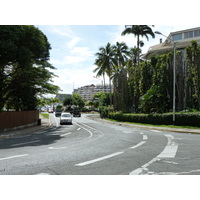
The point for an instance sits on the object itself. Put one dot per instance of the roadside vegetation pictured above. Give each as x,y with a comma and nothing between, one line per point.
143,89
25,74
45,115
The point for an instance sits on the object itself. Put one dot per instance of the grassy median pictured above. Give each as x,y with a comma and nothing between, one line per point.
45,115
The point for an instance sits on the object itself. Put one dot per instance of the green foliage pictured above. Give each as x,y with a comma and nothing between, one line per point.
24,67
104,111
182,119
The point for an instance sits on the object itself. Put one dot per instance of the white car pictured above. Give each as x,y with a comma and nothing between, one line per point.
65,118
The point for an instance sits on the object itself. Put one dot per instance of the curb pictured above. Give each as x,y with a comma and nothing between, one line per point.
25,131
177,130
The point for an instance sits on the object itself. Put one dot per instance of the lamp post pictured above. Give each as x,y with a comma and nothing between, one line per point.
174,76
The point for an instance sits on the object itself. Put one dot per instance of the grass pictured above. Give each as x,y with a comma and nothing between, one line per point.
167,126
45,115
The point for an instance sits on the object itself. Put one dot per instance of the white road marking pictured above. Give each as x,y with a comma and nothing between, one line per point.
138,145
156,131
57,148
78,129
17,156
55,118
43,174
99,159
65,134
19,144
145,137
91,134
169,152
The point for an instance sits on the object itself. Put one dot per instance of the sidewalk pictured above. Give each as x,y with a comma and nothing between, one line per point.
178,130
45,123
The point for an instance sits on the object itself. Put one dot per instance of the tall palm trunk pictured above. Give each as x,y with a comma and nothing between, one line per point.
104,83
138,49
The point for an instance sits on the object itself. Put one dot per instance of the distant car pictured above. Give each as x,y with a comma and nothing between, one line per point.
77,113
65,118
58,113
50,111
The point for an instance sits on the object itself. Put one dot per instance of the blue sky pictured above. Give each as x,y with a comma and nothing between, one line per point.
74,47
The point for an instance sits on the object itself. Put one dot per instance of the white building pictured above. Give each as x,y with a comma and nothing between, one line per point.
87,92
181,38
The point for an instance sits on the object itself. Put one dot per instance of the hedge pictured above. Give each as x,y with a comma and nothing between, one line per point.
181,119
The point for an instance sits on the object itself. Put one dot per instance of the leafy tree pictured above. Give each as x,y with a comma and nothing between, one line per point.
77,100
25,50
138,30
68,101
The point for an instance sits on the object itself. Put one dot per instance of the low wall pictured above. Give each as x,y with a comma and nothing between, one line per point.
15,119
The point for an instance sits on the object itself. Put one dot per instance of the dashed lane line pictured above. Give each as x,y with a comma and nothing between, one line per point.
11,157
99,159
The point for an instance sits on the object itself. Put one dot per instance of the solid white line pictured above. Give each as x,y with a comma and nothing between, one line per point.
17,156
91,134
14,145
99,159
138,145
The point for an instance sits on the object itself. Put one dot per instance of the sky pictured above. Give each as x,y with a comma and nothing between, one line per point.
74,48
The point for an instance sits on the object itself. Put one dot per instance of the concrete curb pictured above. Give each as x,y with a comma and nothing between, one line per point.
178,130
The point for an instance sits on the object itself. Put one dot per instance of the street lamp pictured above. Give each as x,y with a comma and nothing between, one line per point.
174,76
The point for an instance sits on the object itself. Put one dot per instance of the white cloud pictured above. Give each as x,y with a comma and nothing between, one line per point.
65,31
73,42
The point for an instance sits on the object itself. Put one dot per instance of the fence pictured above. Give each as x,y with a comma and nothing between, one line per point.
14,119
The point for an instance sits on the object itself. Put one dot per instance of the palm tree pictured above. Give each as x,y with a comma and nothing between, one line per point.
138,30
104,61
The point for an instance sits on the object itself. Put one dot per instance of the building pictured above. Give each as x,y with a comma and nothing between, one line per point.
62,97
181,38
87,92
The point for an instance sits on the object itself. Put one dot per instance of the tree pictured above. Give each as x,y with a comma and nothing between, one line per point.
25,50
104,61
119,75
138,30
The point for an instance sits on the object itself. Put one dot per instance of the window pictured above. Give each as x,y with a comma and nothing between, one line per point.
188,35
177,37
197,33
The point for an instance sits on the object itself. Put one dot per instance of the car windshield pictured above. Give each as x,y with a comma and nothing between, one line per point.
66,115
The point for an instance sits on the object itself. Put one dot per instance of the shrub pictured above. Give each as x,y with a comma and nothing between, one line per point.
181,119
104,111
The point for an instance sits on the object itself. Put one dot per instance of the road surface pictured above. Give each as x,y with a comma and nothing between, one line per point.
90,147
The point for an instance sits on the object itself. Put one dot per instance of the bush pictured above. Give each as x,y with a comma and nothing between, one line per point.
181,119
104,111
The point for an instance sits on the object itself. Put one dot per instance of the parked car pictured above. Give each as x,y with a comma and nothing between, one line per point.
65,118
76,113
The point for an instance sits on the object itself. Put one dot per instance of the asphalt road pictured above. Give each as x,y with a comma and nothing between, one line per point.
89,147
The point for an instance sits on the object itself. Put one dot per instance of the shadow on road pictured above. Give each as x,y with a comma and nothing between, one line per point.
40,138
